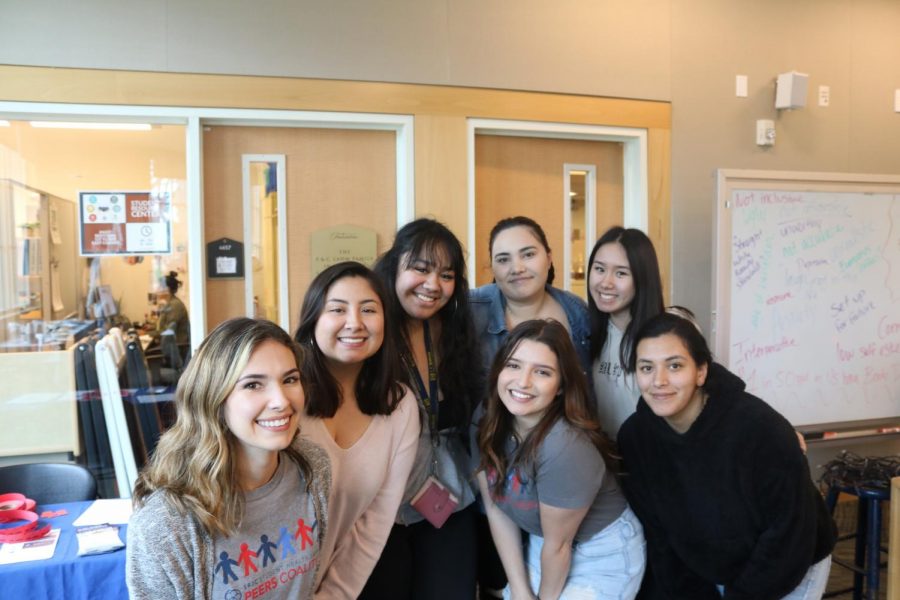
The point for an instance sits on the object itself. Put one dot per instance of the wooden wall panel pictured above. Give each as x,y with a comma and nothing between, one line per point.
441,163
524,176
30,84
334,177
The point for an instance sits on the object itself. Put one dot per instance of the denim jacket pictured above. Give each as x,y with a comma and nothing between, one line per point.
488,306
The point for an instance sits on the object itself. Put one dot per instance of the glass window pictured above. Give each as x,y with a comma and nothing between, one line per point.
93,242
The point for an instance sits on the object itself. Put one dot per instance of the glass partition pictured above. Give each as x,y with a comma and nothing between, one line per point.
93,228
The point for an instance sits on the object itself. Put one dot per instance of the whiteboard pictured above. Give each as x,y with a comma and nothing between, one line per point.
807,292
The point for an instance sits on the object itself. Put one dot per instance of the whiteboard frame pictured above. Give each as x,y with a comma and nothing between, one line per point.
728,180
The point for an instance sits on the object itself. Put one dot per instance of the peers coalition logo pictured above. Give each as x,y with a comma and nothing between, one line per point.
261,569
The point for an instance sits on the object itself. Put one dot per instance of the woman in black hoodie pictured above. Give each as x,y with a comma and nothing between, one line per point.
717,479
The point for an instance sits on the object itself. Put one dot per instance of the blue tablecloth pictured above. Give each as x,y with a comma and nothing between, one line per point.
67,576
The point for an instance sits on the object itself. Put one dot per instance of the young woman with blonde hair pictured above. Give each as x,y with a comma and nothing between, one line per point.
231,501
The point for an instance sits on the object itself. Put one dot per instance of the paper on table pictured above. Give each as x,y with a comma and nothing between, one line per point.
98,539
115,512
41,549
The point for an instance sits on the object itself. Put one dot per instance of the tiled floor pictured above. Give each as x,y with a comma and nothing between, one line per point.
841,578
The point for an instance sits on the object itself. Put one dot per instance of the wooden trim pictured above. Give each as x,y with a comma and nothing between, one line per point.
90,86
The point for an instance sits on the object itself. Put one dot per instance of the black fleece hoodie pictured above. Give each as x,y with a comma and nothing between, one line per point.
731,501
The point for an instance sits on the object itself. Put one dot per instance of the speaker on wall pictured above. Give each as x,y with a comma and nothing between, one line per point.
790,90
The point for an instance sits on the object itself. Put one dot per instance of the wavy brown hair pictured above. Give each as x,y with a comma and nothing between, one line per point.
574,405
195,464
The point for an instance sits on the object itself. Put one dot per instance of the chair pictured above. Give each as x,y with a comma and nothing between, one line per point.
867,557
150,408
114,415
116,342
94,437
49,483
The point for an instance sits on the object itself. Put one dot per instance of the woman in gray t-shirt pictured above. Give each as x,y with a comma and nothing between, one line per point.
231,504
543,469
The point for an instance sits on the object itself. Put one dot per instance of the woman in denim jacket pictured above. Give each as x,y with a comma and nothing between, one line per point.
522,264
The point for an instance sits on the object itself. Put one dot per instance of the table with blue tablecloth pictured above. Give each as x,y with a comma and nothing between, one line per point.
67,576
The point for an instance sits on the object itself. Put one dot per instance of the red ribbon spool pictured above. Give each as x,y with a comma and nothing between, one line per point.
12,502
16,507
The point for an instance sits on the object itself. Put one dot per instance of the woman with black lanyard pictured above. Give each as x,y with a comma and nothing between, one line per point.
430,553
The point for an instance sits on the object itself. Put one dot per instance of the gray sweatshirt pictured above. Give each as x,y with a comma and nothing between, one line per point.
170,555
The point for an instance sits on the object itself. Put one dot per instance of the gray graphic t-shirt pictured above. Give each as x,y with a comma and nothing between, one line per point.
274,553
568,473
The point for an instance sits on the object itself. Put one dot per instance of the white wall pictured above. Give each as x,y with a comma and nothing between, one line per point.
853,47
580,46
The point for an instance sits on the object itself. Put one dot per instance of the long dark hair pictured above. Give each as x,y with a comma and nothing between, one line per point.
574,404
648,297
457,348
520,221
377,389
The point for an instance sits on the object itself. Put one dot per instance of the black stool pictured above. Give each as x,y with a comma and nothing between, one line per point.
867,559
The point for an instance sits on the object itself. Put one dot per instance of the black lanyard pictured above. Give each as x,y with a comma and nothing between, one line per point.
428,397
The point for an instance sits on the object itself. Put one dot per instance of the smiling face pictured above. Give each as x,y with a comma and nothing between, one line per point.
611,283
520,263
529,382
670,380
350,327
423,286
263,409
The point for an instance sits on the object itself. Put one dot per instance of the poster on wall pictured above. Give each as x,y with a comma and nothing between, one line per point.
122,223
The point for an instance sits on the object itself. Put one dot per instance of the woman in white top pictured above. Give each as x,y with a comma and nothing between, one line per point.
367,422
624,291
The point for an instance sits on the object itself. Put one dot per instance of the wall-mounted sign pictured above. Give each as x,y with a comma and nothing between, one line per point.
113,222
344,242
224,258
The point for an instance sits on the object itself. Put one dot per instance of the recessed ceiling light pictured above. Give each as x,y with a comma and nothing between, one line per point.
90,125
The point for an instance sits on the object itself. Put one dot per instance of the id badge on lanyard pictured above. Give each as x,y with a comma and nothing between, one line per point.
433,500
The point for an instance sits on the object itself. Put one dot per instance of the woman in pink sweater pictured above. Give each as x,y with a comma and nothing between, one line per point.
356,410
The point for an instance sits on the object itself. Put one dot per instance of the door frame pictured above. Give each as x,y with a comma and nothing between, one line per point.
634,164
